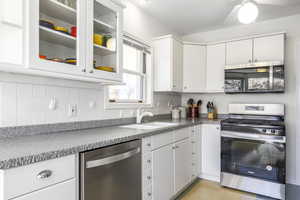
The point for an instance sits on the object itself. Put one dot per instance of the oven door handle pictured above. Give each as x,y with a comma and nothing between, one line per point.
268,138
112,159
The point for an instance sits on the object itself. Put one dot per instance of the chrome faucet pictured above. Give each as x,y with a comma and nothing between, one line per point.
140,115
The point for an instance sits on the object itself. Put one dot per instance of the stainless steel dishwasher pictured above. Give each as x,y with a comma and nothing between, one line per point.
111,173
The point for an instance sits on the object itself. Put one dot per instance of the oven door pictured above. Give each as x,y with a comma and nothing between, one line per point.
254,79
253,158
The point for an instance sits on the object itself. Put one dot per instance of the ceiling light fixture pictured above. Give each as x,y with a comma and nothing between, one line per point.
248,13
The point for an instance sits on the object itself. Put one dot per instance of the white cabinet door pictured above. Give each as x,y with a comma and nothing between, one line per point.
58,48
177,66
163,173
211,152
61,191
269,48
162,65
182,164
239,52
106,19
194,68
215,68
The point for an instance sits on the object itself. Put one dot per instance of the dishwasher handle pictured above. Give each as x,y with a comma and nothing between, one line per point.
112,159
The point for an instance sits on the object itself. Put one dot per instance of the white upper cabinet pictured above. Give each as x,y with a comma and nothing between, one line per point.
63,39
194,68
215,67
51,47
105,23
239,52
12,32
269,48
254,50
167,64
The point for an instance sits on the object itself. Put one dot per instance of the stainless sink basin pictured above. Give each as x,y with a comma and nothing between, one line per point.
150,126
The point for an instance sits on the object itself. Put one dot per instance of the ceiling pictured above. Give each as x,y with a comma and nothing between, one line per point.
190,16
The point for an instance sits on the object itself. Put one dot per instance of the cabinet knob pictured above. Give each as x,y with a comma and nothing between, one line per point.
44,174
193,153
174,147
255,60
91,71
83,70
149,177
250,61
185,87
149,194
193,142
149,144
218,128
149,161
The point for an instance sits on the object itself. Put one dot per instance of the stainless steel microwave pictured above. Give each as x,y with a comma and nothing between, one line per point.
255,78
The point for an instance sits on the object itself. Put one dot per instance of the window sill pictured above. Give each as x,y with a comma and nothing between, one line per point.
118,106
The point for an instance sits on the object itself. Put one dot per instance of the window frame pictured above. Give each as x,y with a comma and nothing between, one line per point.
147,82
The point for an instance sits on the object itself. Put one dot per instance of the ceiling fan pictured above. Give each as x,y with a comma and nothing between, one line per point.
247,10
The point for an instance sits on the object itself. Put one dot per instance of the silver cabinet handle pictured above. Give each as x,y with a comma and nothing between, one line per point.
44,174
112,159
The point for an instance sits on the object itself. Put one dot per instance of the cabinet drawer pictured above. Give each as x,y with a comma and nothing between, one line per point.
23,180
162,140
181,134
146,145
61,191
147,178
147,193
147,162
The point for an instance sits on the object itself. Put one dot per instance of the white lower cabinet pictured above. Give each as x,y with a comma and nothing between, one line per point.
163,173
173,161
61,191
182,164
210,152
51,179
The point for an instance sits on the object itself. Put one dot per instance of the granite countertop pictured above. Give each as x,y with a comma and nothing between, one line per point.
24,150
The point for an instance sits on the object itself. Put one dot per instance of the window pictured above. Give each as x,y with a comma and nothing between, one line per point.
137,77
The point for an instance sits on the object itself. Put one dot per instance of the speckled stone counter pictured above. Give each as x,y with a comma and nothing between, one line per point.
24,150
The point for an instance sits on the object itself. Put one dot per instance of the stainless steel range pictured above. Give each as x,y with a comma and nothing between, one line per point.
253,146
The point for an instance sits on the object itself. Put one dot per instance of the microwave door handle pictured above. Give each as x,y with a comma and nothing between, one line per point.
247,136
112,159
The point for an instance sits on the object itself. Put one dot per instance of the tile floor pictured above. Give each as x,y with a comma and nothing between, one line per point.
207,190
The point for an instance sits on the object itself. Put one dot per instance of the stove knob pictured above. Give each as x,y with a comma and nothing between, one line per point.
273,131
264,130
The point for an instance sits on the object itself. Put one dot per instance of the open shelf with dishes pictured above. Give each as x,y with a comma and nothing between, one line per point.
58,31
104,38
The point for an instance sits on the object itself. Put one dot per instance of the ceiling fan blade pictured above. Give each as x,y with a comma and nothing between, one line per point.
232,16
274,2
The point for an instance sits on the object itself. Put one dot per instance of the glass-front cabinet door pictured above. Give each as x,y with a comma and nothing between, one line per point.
104,40
57,36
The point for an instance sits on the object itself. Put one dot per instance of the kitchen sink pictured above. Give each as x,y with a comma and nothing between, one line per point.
150,126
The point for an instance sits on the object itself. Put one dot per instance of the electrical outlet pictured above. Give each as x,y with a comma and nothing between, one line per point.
72,110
